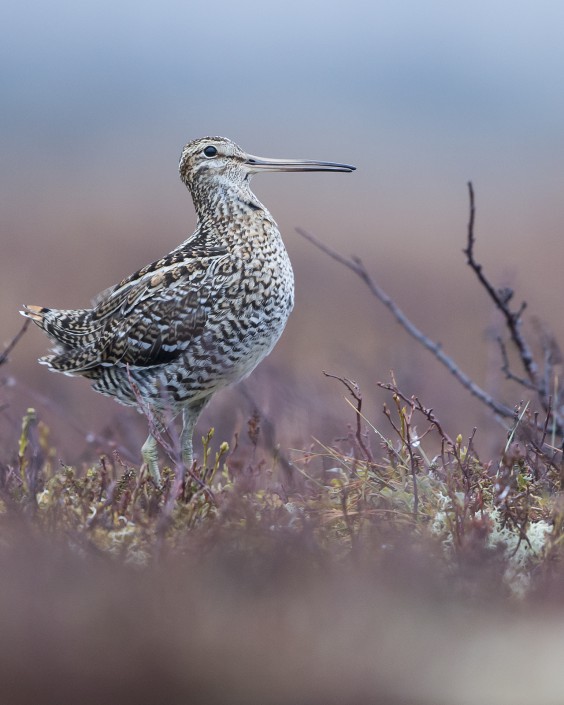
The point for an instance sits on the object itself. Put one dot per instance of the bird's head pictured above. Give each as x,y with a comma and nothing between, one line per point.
217,158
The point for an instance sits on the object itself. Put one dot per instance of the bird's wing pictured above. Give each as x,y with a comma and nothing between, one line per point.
192,257
153,321
151,316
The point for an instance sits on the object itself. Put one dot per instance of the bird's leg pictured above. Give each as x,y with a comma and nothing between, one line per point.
190,415
150,458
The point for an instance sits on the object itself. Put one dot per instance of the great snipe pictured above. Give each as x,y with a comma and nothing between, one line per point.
169,336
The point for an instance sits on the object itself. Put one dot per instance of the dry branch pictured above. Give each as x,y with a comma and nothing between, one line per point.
355,264
12,344
501,299
356,394
533,380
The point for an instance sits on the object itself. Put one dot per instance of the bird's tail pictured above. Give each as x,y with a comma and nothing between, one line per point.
70,327
35,313
73,352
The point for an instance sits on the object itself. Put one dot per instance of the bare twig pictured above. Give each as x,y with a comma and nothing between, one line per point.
15,340
354,389
416,404
547,419
533,380
506,370
501,298
356,265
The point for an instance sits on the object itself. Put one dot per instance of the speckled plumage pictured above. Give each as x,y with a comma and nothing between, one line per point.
202,317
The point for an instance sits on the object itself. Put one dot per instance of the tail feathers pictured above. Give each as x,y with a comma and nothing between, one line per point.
35,313
68,327
72,362
78,344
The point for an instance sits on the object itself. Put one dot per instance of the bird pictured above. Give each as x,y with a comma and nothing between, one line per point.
166,338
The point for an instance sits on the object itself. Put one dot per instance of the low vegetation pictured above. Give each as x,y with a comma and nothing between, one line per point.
359,499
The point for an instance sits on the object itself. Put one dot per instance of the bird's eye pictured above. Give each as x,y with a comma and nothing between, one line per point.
210,151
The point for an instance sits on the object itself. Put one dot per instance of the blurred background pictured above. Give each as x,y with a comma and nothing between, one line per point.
98,99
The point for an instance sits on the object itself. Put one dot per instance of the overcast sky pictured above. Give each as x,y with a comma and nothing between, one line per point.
281,66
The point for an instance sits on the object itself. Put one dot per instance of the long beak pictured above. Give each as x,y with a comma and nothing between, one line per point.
256,164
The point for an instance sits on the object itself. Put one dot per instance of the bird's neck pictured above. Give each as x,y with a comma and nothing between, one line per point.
222,201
